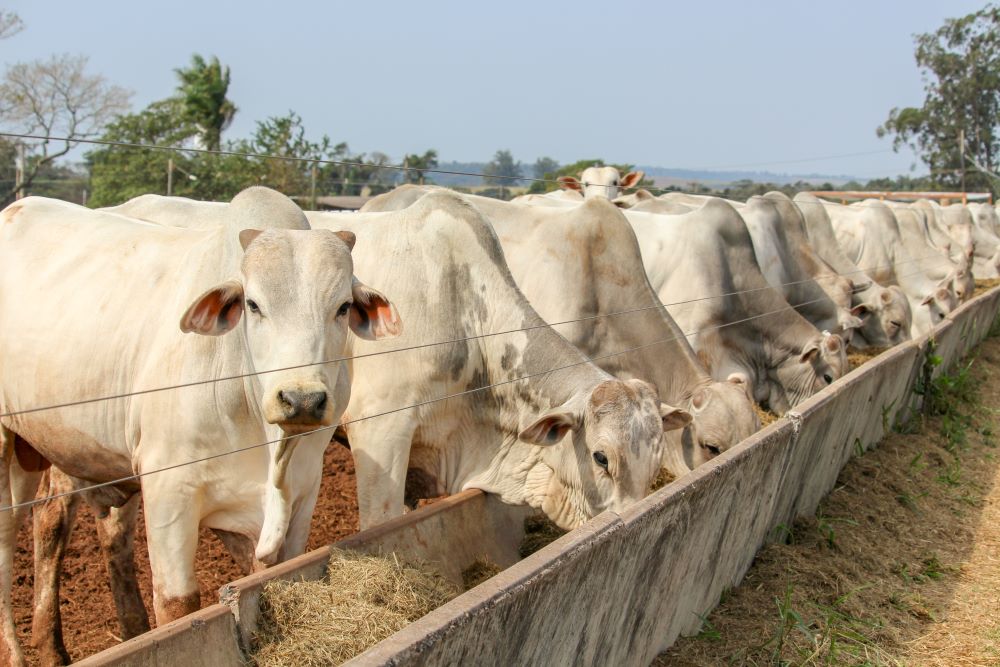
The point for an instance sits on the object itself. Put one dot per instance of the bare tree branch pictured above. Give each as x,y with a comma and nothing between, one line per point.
56,97
10,24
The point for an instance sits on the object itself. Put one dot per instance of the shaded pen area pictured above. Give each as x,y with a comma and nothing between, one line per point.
899,565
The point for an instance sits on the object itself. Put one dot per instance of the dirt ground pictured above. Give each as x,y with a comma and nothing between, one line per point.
88,612
901,563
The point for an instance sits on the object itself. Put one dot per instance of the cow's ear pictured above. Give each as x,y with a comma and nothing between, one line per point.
632,179
673,418
809,352
569,183
347,237
550,428
861,310
247,236
373,316
215,312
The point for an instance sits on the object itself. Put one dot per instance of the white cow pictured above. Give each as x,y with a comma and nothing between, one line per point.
869,235
572,442
555,198
961,226
702,266
786,259
120,298
578,266
937,263
884,311
606,182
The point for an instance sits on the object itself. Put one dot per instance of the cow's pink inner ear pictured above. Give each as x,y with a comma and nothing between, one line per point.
215,312
373,316
548,430
632,179
569,183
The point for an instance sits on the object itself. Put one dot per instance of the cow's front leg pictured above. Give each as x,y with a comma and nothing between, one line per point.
172,516
381,451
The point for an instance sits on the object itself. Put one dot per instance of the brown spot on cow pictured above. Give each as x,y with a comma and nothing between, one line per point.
170,609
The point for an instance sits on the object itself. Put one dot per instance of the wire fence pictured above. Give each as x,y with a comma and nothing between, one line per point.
419,346
584,361
581,362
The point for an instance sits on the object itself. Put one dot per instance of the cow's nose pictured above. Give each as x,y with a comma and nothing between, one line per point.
303,406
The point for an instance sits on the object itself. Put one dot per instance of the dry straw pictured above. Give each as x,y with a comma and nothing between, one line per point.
363,600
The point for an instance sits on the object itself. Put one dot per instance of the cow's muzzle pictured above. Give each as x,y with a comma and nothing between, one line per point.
300,407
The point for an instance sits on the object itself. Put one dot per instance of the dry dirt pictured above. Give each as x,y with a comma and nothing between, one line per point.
899,566
89,622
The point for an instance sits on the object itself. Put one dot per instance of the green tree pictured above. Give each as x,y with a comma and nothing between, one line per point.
502,171
955,132
118,174
10,24
203,88
544,165
283,137
418,166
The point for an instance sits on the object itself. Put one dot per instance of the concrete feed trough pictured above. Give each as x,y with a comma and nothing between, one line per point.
621,588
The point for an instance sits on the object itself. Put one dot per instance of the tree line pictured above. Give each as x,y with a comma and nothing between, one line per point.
955,133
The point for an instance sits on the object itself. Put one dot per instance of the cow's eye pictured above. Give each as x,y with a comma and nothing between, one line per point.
828,378
601,459
253,307
344,307
712,449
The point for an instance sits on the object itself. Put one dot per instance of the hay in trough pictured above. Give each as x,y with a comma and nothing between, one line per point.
539,531
985,285
480,570
663,478
856,357
362,600
766,417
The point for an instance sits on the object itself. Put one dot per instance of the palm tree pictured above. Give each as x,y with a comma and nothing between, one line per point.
203,87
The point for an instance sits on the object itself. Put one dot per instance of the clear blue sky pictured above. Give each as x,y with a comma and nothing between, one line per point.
674,84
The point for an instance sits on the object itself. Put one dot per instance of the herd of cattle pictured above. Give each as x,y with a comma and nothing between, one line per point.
557,350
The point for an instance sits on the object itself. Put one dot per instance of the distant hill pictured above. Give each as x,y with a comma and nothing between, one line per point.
663,176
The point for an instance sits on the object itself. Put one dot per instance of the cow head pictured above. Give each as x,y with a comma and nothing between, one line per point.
961,282
801,374
606,182
722,415
298,299
885,317
601,450
942,299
